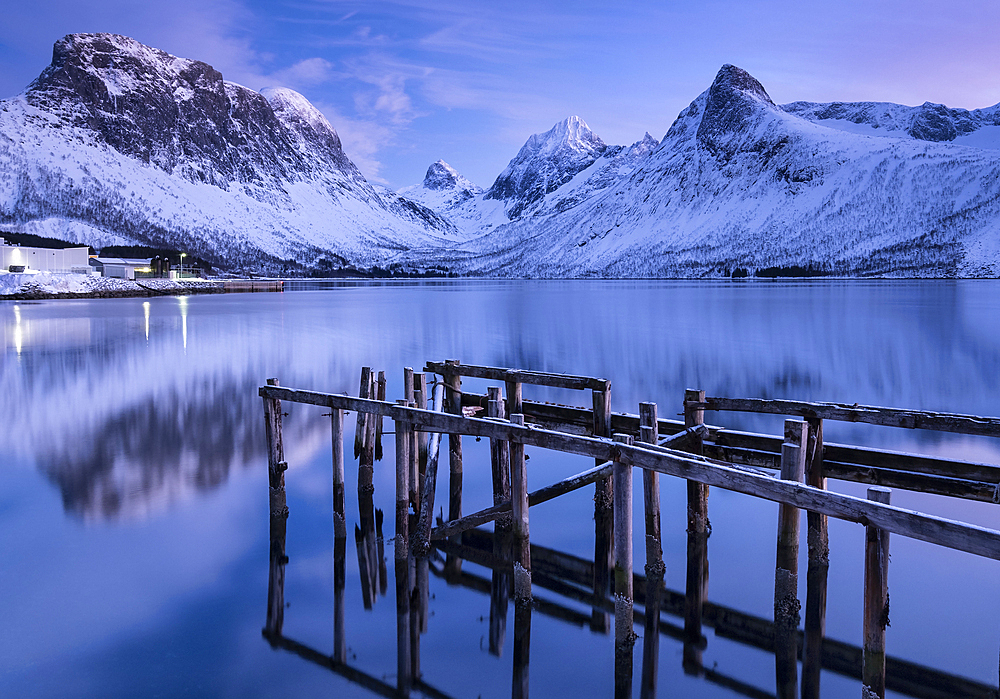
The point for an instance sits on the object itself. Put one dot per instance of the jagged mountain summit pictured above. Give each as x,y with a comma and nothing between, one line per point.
119,142
739,182
553,172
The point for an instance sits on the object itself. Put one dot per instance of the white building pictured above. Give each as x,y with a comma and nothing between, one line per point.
19,258
121,267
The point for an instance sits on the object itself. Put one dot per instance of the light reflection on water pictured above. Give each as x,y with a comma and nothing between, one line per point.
134,497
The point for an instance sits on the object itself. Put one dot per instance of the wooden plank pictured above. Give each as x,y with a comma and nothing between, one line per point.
865,456
536,378
870,414
937,530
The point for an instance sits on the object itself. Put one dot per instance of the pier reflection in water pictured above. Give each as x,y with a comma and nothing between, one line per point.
568,578
571,598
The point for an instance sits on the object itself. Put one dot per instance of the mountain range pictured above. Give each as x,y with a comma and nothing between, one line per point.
119,142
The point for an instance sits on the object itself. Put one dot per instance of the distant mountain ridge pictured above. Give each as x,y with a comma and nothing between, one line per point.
739,182
119,142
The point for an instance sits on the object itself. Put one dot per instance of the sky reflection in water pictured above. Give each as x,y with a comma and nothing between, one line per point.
133,500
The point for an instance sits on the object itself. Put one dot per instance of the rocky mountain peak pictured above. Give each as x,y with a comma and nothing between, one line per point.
306,122
442,176
546,162
734,104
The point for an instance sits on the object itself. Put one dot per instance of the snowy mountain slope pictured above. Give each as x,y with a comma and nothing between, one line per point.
928,122
116,140
739,182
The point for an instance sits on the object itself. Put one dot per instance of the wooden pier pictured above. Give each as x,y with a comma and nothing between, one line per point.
791,470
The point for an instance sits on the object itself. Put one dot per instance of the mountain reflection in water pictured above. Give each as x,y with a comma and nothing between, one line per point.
141,418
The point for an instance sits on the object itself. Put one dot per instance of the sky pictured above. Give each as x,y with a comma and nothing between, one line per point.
409,82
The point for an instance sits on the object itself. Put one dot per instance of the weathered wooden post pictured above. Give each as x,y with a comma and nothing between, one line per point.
339,534
786,568
519,505
819,566
278,514
421,397
698,531
603,514
276,465
624,635
499,450
876,602
655,570
364,441
500,583
363,392
513,397
410,395
522,645
453,383
402,550
522,564
380,395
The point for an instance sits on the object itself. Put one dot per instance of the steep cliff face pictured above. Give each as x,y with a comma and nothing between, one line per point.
119,141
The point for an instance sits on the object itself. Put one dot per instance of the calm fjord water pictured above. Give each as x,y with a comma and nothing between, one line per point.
133,489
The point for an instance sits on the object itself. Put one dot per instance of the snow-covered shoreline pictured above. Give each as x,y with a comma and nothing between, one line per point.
48,285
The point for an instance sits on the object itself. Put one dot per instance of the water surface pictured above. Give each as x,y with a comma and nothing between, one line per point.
133,490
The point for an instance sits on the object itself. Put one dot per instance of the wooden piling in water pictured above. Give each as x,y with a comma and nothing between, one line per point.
421,397
649,434
786,568
275,453
402,542
818,542
500,466
519,503
624,635
401,556
499,450
522,644
513,397
414,481
366,456
876,602
339,533
364,391
603,514
380,395
453,383
698,530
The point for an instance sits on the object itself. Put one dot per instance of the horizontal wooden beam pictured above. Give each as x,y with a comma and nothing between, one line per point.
873,415
537,378
936,530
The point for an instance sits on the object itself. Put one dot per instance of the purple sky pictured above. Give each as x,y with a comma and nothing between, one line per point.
408,82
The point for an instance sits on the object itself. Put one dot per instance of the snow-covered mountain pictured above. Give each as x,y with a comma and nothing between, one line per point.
119,142
739,182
